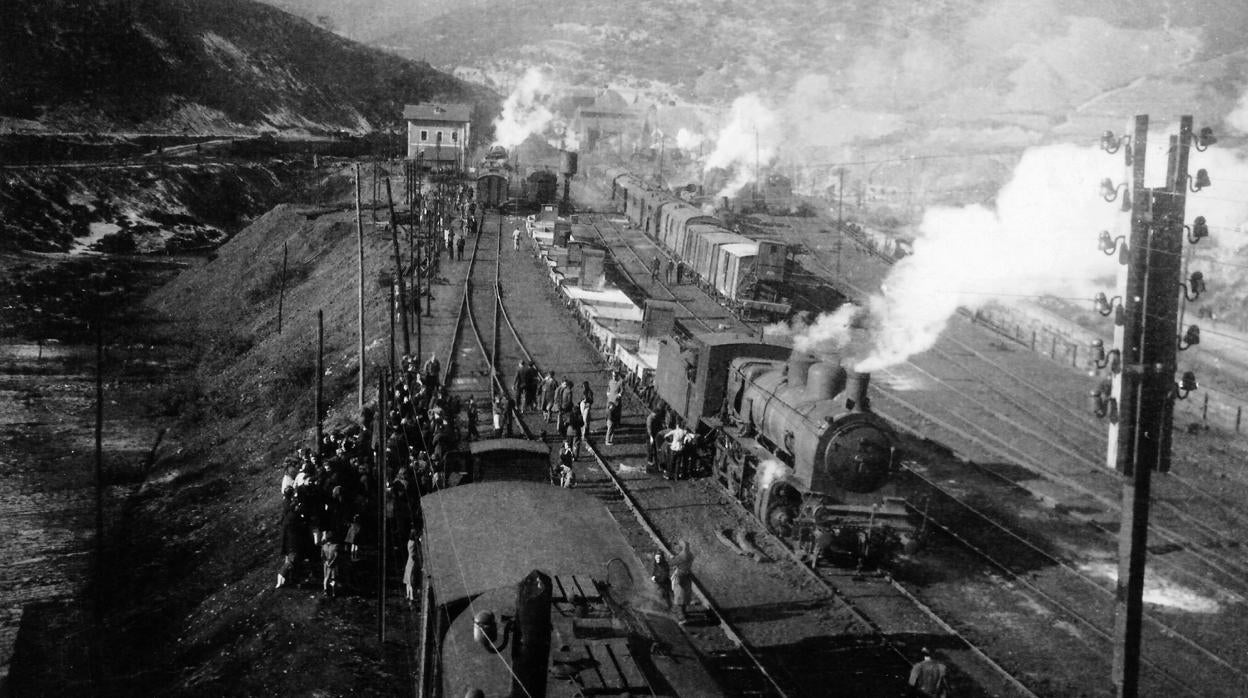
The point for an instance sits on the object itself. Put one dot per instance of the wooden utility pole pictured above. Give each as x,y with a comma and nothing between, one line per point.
320,379
382,423
1144,388
398,272
281,291
359,229
99,473
840,217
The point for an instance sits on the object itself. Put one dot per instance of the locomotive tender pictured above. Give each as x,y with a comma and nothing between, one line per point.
594,629
793,439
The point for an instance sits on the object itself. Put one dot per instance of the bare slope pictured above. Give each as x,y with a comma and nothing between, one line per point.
200,544
198,65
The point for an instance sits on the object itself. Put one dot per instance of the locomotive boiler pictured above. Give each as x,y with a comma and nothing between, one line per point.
794,440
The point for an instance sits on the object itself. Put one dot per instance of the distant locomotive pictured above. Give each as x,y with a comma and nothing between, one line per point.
794,440
493,178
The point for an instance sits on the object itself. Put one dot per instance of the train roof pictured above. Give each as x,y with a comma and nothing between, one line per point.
741,249
725,237
491,534
689,214
707,228
484,446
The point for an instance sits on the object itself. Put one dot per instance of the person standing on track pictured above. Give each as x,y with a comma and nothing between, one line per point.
682,580
661,575
515,238
613,420
565,402
928,678
471,412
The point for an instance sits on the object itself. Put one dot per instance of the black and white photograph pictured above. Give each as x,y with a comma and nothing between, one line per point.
672,348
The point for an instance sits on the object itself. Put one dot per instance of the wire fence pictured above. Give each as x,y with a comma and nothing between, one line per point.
1069,344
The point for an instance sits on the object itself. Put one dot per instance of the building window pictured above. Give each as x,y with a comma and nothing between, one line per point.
424,135
439,136
454,136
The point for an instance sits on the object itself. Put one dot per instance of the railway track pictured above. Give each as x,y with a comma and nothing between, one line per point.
1198,554
742,667
888,652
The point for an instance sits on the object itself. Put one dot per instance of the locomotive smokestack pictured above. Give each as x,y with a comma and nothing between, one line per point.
856,399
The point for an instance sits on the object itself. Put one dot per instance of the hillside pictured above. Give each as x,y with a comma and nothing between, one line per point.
199,66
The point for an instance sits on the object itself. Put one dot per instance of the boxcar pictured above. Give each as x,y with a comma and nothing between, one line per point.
597,636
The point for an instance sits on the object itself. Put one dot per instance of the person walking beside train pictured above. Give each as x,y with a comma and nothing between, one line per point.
515,238
565,402
459,246
586,406
548,388
330,555
676,451
614,412
928,678
471,413
654,269
661,575
409,570
682,580
654,426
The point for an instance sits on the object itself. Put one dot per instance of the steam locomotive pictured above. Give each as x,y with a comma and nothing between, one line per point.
793,439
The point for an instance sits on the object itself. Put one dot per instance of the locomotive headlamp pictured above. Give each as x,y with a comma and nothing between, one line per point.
1198,230
1186,384
1204,139
1189,338
485,631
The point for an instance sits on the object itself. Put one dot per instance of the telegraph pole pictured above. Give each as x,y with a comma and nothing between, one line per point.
1146,338
359,232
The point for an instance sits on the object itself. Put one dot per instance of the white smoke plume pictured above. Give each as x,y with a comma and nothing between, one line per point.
688,140
829,332
1040,240
769,471
749,139
526,110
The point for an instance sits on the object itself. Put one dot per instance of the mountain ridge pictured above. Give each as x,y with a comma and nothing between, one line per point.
218,66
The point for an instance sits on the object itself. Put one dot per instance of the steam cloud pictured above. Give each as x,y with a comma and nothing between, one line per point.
1039,240
526,109
769,471
688,140
828,333
750,137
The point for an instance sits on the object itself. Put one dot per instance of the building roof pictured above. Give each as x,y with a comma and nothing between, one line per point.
437,111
